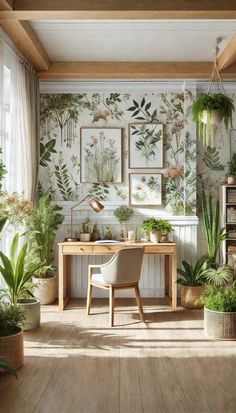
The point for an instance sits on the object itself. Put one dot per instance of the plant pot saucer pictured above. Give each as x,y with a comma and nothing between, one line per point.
69,239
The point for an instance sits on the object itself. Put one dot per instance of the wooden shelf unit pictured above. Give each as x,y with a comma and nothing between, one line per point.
227,211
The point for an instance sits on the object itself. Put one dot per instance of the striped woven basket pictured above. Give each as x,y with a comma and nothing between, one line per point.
12,349
219,326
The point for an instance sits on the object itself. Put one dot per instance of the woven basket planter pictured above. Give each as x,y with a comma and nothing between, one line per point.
12,349
189,296
219,326
46,290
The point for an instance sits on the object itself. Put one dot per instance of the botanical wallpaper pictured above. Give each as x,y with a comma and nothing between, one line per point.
62,116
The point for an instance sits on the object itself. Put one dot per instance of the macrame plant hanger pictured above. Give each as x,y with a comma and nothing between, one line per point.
209,130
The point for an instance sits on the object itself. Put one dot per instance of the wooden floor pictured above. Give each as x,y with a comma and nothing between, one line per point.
76,363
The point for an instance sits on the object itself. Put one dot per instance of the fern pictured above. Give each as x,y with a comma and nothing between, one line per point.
63,182
46,151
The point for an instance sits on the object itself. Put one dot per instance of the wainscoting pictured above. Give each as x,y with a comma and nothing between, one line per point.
152,279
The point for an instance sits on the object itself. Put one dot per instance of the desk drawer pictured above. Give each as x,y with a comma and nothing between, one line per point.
105,249
77,250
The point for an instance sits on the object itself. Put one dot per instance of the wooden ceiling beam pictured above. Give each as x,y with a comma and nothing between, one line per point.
25,39
132,70
118,15
228,55
124,9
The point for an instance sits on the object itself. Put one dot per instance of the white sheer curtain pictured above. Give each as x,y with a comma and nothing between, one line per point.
19,112
22,155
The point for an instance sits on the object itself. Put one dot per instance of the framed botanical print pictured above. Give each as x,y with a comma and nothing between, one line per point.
232,142
145,145
101,155
145,189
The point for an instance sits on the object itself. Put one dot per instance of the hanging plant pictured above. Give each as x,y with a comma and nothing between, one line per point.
209,110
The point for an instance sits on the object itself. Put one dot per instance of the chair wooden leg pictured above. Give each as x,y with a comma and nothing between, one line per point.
139,304
111,305
89,297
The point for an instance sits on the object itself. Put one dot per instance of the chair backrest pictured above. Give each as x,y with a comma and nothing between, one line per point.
124,267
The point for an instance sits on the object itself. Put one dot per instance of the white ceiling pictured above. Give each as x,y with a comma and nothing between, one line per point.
151,40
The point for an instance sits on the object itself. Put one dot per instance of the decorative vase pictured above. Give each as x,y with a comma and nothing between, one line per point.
215,118
219,326
12,349
31,308
45,289
189,296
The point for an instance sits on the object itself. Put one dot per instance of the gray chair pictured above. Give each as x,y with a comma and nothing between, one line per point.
121,272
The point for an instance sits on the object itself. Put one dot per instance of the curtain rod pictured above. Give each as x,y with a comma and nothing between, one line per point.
21,58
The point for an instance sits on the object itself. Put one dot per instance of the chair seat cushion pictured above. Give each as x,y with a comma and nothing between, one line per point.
98,279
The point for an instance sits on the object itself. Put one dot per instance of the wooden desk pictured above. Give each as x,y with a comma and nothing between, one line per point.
68,249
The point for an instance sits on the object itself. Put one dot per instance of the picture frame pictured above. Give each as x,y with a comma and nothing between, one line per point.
232,147
145,189
100,155
145,145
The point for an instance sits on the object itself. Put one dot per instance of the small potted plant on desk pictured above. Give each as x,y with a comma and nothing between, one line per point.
17,272
123,213
11,334
45,221
156,229
85,234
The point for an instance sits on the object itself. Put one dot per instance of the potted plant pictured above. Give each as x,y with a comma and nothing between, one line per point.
17,272
165,228
192,283
85,234
220,312
209,110
214,234
11,334
232,170
123,214
155,228
45,221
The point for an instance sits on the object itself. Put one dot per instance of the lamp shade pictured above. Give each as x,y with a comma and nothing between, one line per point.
93,202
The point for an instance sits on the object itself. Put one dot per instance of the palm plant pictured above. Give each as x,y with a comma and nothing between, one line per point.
17,271
220,276
215,235
193,276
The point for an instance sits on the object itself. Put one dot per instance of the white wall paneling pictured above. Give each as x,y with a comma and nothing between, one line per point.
152,279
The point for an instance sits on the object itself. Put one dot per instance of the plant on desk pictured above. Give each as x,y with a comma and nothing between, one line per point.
85,234
123,213
157,229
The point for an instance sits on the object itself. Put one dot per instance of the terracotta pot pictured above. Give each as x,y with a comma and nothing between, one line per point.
189,296
219,326
31,308
12,349
216,117
45,290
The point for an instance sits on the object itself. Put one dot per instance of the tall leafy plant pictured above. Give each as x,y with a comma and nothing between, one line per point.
45,221
17,271
214,234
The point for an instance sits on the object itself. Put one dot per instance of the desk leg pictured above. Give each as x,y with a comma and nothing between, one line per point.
173,281
167,274
61,275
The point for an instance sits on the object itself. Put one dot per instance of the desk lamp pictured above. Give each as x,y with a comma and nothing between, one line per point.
93,202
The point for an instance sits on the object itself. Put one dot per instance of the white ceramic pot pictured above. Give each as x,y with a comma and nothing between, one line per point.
45,289
31,308
231,180
216,117
154,236
219,326
85,237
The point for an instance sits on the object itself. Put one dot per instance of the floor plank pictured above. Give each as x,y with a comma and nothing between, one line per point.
77,363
